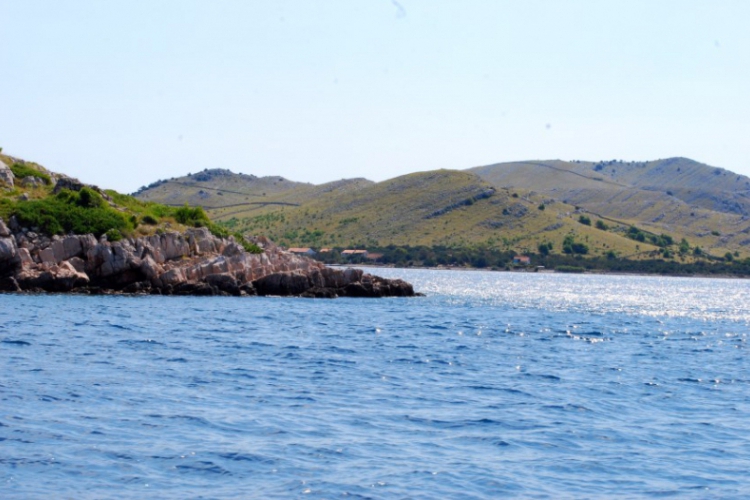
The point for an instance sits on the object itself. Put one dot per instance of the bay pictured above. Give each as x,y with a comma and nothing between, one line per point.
528,385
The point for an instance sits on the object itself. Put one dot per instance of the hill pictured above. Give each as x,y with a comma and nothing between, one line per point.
215,187
445,208
228,193
614,208
705,204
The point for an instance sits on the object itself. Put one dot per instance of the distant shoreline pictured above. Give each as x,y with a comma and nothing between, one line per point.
544,271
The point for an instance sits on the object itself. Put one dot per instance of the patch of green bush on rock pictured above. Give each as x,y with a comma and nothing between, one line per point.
87,212
113,235
20,171
81,212
249,247
192,216
150,220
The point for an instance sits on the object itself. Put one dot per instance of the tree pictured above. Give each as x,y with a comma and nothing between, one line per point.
570,246
666,240
580,248
586,221
636,234
684,247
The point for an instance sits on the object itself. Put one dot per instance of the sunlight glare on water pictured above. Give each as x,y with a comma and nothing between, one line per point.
697,298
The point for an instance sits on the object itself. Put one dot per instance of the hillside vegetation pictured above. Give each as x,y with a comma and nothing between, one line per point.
53,203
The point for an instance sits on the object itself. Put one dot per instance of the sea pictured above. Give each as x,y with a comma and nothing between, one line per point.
493,385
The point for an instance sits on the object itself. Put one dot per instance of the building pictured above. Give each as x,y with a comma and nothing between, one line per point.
303,251
522,260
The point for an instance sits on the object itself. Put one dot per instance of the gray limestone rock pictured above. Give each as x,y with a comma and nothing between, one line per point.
7,178
68,183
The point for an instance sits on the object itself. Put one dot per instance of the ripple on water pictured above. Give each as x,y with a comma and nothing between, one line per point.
496,384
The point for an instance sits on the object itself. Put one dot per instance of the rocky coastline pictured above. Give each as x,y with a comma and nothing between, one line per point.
171,263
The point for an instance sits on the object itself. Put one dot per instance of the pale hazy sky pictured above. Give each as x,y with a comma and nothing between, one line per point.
122,93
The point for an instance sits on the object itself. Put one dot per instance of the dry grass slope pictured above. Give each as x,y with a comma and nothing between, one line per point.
709,206
445,207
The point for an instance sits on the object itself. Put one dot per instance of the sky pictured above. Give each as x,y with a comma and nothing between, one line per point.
124,93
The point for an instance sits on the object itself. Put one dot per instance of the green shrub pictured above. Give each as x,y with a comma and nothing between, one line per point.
636,234
545,248
191,216
601,225
67,196
125,200
88,198
665,240
570,246
217,230
684,247
6,208
158,210
580,248
249,247
222,232
21,171
113,235
586,221
64,214
151,221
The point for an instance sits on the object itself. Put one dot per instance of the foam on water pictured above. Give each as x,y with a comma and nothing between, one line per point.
496,384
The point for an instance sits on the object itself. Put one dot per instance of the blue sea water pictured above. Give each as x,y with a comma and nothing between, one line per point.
494,385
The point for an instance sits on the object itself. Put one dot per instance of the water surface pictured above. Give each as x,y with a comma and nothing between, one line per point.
496,384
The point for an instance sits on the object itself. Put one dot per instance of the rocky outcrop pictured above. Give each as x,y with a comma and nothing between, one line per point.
8,250
193,263
70,183
6,176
